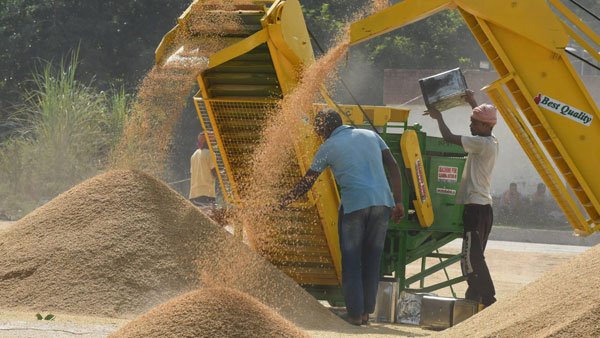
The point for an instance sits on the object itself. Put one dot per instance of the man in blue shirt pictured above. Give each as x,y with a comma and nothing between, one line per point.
357,158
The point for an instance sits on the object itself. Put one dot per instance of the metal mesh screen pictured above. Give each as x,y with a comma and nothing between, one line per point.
237,125
228,190
299,249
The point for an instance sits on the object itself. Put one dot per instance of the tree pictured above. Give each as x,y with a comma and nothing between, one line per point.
62,140
441,41
116,39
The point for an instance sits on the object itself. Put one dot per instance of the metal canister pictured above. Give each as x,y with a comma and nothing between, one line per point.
387,295
444,90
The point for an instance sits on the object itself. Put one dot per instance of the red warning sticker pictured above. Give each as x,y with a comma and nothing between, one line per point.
447,174
445,191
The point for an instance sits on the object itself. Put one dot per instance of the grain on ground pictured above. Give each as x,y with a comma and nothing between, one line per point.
211,312
123,242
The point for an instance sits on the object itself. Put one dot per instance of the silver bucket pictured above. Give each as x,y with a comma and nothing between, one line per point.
385,308
444,90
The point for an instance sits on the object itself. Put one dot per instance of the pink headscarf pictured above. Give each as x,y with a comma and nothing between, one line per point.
485,113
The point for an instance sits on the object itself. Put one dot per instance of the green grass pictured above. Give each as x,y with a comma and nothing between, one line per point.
63,139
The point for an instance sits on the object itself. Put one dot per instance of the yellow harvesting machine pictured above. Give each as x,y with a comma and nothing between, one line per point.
538,93
258,65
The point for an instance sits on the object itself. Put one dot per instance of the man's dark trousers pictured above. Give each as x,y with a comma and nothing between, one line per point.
362,237
477,221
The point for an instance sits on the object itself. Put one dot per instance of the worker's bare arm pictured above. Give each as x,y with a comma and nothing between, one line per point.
446,133
301,188
470,98
392,167
214,172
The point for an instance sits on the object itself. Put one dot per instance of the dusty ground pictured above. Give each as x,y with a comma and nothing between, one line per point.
512,266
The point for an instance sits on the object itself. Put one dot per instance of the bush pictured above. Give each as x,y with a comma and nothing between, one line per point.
68,129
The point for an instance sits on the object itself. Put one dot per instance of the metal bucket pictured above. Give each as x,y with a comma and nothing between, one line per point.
439,313
385,308
409,307
436,312
445,90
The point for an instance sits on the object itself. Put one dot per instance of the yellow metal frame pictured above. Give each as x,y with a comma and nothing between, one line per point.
220,144
525,42
324,195
217,134
379,115
581,26
520,38
396,16
285,33
169,39
556,141
238,49
289,42
539,160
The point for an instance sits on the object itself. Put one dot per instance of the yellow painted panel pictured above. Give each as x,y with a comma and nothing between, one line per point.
539,160
396,16
399,115
545,72
239,48
165,44
379,115
531,19
294,31
286,70
411,154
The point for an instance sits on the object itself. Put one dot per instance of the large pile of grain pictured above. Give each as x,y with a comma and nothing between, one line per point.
123,242
562,303
211,312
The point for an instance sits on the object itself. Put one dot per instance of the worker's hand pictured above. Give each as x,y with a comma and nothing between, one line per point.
434,113
398,212
470,97
469,94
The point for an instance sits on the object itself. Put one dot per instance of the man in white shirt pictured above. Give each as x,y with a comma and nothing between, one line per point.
203,175
474,193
